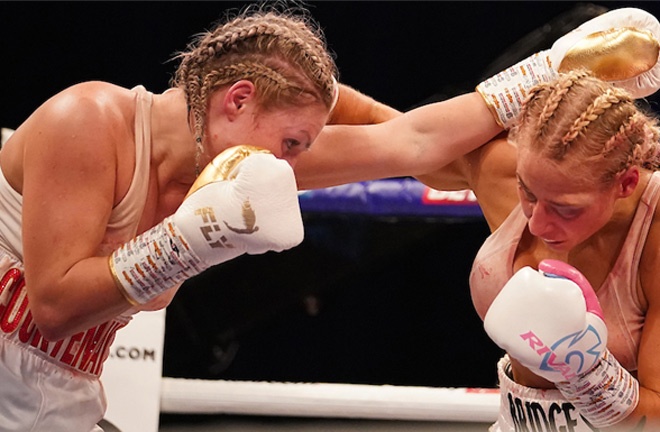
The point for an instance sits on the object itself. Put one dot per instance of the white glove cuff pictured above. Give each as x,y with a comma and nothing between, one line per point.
505,92
605,395
153,262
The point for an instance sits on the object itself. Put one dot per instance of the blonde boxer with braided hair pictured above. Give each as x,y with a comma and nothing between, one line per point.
567,283
572,191
110,198
588,186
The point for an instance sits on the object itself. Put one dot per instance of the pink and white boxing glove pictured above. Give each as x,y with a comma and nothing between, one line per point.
551,322
244,201
621,46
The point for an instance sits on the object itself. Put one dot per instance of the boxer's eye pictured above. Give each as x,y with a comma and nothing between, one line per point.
295,146
568,212
527,195
291,144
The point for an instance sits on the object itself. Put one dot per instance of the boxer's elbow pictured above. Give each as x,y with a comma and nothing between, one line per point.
51,322
57,316
64,306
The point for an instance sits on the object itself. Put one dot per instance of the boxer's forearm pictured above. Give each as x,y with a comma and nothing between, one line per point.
416,143
81,298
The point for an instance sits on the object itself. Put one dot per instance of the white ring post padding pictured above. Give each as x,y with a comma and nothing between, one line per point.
195,396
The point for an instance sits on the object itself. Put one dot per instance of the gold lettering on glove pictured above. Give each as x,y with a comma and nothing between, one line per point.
249,219
615,54
208,217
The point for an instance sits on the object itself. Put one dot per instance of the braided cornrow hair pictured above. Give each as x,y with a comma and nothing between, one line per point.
638,138
600,125
283,53
557,93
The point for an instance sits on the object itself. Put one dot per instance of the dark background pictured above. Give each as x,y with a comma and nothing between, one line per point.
364,299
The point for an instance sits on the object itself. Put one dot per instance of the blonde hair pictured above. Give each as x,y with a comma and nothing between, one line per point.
283,52
590,122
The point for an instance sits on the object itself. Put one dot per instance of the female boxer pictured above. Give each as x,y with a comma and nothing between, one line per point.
575,182
95,224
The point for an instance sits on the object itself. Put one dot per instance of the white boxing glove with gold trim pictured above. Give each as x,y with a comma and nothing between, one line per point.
244,201
621,46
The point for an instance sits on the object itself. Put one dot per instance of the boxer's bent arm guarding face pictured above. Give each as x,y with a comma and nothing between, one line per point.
69,287
244,201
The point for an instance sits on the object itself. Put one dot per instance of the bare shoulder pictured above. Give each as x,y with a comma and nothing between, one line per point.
85,125
92,117
93,103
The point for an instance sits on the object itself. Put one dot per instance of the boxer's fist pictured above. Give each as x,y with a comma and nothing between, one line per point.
621,46
550,321
244,201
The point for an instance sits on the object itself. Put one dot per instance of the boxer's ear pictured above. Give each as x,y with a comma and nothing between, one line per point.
628,181
238,95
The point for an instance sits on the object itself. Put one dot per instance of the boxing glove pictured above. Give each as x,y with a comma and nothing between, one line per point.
547,324
550,320
244,201
621,46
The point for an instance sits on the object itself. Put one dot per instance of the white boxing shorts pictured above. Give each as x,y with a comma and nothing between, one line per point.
529,409
37,394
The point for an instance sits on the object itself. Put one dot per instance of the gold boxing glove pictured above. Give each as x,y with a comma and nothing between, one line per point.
621,46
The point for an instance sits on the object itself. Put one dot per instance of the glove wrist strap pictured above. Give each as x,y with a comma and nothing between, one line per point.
505,92
153,262
605,395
